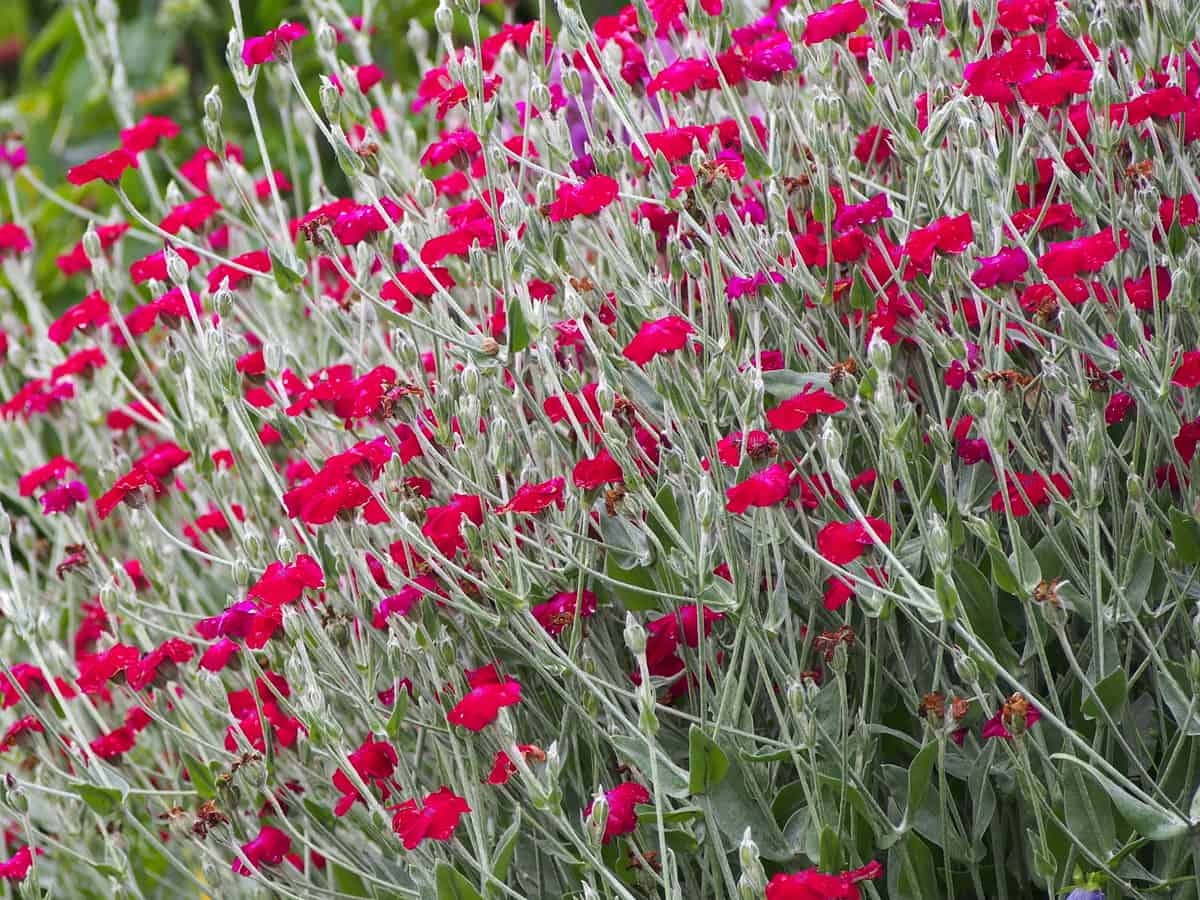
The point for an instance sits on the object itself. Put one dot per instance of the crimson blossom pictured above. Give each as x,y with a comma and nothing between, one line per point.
434,818
267,849
483,702
810,884
622,809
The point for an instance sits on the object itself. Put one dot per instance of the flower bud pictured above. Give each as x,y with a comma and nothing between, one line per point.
443,19
326,37
91,243
635,635
331,100
879,352
177,267
597,819
965,667
572,82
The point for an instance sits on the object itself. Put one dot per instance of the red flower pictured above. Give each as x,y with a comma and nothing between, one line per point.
483,702
147,133
839,19
757,445
106,167
77,260
1187,374
218,656
51,471
1143,292
1007,266
622,812
268,849
400,604
589,474
192,214
158,665
810,884
533,498
443,524
585,199
1016,714
854,215
873,144
90,312
503,767
17,730
793,414
374,762
1117,408
415,283
255,260
96,671
1032,485
258,50
457,147
685,75
843,542
284,583
17,866
435,818
949,234
154,266
1089,254
557,613
14,239
765,488
1056,88
664,335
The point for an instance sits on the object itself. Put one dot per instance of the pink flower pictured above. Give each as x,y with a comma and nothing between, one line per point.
268,849
1187,374
374,762
810,884
843,542
1088,254
585,199
664,335
1034,486
1007,266
590,474
483,702
106,167
14,239
17,866
765,488
258,50
533,498
457,147
1016,715
557,613
839,19
147,133
858,214
793,414
51,471
435,818
622,812
757,445
284,583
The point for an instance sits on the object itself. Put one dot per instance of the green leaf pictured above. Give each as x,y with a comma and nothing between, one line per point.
735,809
707,763
103,801
786,383
1154,823
861,295
1185,532
1025,565
505,848
1088,813
919,773
201,777
1182,704
665,501
349,883
1002,573
634,750
632,585
1111,691
518,326
1138,575
399,711
983,795
831,850
979,604
911,874
453,885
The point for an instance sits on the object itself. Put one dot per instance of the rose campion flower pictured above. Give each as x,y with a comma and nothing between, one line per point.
810,884
1007,266
106,167
557,613
531,499
1016,716
622,809
1087,254
794,413
585,199
839,19
843,542
765,488
284,582
374,762
488,694
14,240
146,134
261,49
267,849
17,866
434,818
503,768
660,336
